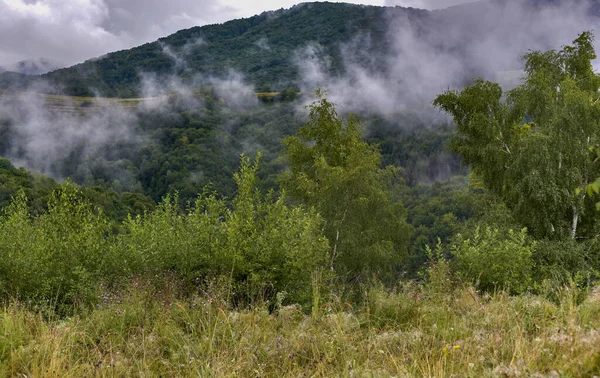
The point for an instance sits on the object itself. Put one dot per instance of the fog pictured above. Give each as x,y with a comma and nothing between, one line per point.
56,134
440,50
425,55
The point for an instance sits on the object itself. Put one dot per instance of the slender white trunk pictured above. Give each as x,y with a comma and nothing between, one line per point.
575,220
559,161
334,253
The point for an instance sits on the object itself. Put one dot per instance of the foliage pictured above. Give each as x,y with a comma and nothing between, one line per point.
419,148
438,275
333,169
58,257
260,47
494,260
437,212
261,244
196,146
37,189
184,148
565,261
532,148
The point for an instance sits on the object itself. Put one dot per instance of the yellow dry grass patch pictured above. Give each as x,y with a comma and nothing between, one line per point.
409,333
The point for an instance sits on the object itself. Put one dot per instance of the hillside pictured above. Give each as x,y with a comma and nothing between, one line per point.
271,49
261,47
188,104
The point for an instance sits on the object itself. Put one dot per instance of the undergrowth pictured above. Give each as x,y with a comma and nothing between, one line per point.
410,331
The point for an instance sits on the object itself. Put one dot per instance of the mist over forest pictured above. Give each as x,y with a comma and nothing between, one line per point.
365,173
385,64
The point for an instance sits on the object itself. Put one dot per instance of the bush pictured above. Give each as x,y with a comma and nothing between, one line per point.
261,244
495,260
58,257
62,257
565,261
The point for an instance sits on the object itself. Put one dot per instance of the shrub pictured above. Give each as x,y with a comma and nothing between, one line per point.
495,260
260,243
58,257
564,261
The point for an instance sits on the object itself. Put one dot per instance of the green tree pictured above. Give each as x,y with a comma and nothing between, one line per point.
531,147
288,94
333,169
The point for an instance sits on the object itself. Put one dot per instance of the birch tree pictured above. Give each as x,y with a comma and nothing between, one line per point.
534,146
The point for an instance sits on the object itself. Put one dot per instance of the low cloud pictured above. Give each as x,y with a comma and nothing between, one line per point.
82,138
52,135
67,32
426,4
439,50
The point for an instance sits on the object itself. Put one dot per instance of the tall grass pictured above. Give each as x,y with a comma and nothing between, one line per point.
411,331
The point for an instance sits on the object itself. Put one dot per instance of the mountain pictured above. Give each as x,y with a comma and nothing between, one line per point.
262,48
267,50
199,111
13,80
16,75
33,67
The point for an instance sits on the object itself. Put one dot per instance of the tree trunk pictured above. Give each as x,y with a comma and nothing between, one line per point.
575,220
334,253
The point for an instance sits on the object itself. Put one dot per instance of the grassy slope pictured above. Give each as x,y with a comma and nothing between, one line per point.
86,104
414,332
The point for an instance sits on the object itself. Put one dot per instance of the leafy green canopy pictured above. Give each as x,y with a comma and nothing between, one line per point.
261,47
495,260
37,189
261,245
333,169
532,146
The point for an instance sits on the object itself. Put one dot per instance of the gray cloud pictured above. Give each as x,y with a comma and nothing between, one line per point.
148,20
67,32
426,4
56,134
47,137
61,31
439,50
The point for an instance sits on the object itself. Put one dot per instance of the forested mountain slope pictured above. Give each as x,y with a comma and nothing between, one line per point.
269,50
199,110
261,47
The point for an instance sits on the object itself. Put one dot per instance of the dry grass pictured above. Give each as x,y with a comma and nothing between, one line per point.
266,94
407,333
84,105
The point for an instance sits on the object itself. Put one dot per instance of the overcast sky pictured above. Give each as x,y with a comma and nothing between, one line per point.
67,32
